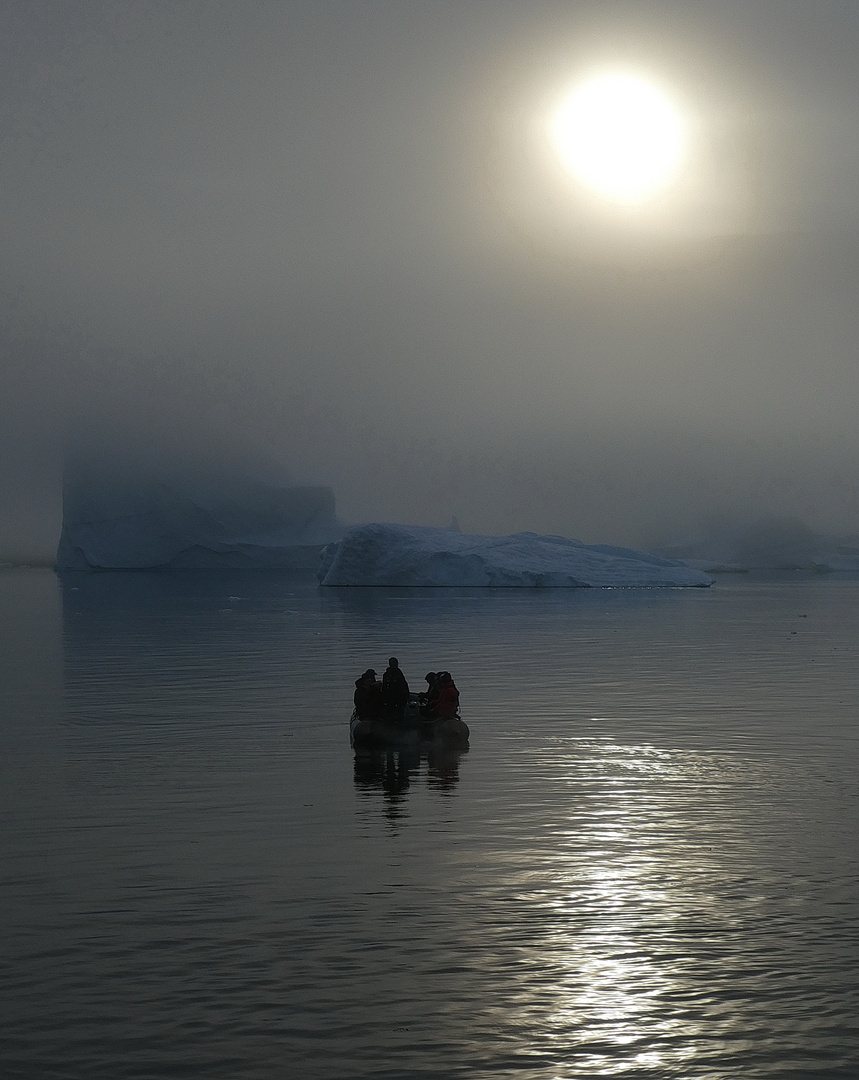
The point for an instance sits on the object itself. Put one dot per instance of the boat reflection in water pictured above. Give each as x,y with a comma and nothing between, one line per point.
391,750
394,771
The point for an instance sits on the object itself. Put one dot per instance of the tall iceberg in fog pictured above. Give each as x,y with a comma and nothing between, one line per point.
118,515
410,555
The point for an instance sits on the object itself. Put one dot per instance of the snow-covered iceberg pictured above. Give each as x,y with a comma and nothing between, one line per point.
412,555
116,517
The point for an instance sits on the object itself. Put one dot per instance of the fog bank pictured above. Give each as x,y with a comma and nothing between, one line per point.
320,236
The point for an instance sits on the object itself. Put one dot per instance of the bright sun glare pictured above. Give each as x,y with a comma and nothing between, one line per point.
620,136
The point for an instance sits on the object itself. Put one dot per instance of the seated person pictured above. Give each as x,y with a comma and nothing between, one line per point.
368,696
429,697
447,703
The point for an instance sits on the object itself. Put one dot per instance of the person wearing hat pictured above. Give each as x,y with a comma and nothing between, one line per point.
368,696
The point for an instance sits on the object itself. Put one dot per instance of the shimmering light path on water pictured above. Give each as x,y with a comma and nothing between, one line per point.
645,866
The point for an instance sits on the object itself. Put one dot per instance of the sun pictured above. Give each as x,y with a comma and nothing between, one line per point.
620,135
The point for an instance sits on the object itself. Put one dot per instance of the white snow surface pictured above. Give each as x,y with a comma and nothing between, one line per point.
410,555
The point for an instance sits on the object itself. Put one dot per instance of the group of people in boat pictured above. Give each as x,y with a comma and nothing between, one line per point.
388,698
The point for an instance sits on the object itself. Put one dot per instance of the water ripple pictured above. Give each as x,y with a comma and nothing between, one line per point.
644,867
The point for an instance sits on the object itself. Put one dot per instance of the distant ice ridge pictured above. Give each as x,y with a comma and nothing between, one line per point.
766,544
412,555
116,517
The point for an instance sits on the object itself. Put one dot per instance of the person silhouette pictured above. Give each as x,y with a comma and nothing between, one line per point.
368,696
395,689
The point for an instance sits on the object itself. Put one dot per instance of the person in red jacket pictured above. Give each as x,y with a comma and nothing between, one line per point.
447,703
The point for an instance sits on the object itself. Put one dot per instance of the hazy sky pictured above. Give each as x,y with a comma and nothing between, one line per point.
328,233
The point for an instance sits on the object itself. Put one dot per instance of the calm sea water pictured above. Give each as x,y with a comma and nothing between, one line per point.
644,866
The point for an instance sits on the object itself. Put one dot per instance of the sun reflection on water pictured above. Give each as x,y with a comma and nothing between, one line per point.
630,878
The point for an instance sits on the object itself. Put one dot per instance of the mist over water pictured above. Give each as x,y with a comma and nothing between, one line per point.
326,243
325,235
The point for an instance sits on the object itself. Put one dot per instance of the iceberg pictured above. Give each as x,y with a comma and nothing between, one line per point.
117,517
409,555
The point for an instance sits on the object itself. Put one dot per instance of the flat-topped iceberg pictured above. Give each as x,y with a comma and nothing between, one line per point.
416,556
119,517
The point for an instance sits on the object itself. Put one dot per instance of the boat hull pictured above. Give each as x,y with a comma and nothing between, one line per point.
410,731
